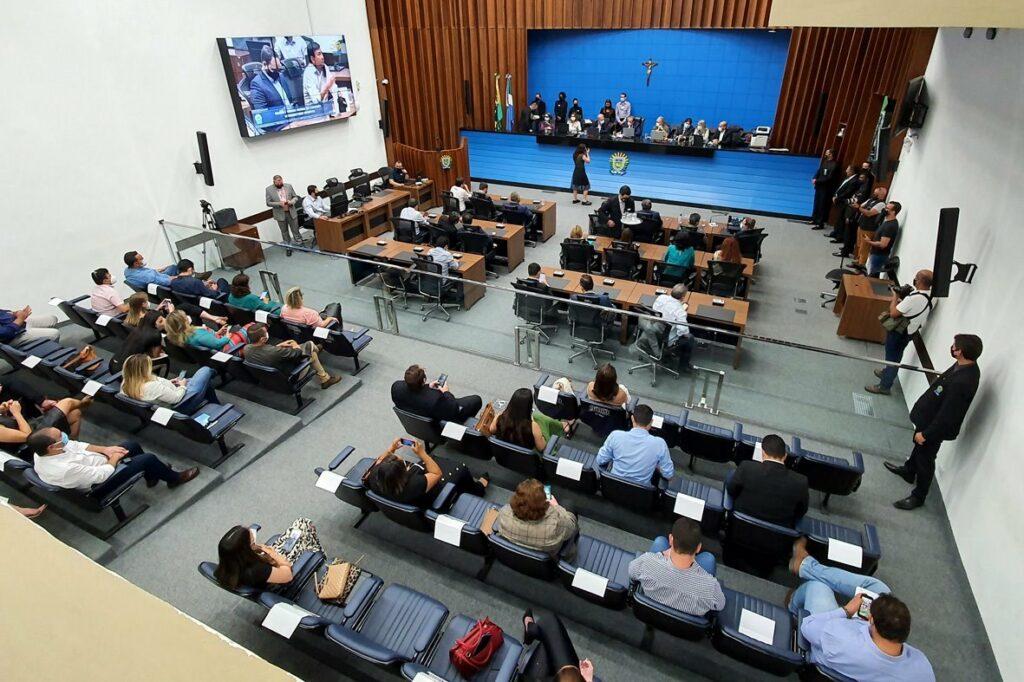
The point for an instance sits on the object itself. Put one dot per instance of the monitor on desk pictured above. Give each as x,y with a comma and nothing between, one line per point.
339,203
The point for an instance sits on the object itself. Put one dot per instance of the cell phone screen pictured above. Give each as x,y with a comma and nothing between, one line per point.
865,607
407,443
181,374
442,380
547,491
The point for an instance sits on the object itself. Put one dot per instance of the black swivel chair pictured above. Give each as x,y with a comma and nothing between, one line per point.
434,288
623,264
482,244
538,313
649,231
528,221
483,207
651,341
750,242
579,255
449,203
587,327
724,279
405,231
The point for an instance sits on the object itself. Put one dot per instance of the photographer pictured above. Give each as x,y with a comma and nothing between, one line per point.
907,310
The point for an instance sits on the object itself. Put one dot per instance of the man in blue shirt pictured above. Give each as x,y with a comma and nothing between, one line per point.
187,283
636,454
871,650
19,327
139,276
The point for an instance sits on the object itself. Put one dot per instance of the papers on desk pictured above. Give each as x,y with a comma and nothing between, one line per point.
321,332
262,315
845,553
758,452
590,582
103,320
688,506
151,288
205,302
92,387
220,356
758,627
453,430
284,618
568,468
31,361
329,481
548,394
56,301
448,529
162,415
657,421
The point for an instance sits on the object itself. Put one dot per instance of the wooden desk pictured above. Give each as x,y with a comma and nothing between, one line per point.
546,210
337,235
670,225
249,252
471,266
510,240
422,192
620,291
378,211
859,303
700,264
652,254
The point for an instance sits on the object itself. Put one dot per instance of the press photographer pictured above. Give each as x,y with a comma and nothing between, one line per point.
908,308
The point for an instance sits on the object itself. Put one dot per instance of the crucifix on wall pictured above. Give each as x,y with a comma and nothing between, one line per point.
649,65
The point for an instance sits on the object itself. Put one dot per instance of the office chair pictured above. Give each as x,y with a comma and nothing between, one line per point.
482,244
532,309
724,279
292,79
586,327
433,287
649,231
249,72
750,243
405,231
651,342
483,207
623,264
666,279
514,217
579,255
449,203
397,287
835,275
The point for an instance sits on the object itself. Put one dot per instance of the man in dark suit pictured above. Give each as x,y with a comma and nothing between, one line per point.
824,182
846,189
851,214
767,490
266,89
432,400
937,416
612,208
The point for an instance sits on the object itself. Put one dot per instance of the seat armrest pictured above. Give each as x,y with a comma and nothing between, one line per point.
796,446
298,371
684,414
737,432
549,449
255,527
340,457
872,545
445,498
233,348
361,645
858,461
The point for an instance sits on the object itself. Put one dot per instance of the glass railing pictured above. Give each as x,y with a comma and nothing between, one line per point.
776,384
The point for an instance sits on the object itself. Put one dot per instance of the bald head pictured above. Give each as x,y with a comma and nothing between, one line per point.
923,280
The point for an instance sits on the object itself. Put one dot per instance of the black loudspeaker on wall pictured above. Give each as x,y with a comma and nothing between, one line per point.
945,244
204,167
467,97
385,118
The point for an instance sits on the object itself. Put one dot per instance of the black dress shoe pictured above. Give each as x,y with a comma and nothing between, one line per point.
908,502
818,227
835,241
900,471
203,275
840,254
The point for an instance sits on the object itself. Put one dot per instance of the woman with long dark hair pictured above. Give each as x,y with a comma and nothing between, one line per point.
521,425
606,387
245,563
580,181
418,483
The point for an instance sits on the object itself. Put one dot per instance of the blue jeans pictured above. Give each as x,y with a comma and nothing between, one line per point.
876,262
706,560
198,390
171,270
818,593
895,344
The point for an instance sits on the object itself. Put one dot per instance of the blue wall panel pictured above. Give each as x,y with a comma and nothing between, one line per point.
732,75
738,180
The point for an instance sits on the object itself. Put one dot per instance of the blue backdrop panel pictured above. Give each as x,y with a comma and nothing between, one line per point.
738,180
732,75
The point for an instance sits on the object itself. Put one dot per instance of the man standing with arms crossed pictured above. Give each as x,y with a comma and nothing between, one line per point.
282,199
937,416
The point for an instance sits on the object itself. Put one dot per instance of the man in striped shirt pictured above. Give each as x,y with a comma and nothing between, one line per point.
677,574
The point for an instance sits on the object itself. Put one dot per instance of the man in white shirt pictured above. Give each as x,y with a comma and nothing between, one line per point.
410,212
104,299
673,310
314,205
290,48
912,309
318,82
623,109
460,190
442,256
74,465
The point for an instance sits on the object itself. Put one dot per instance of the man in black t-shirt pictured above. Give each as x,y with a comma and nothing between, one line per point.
885,237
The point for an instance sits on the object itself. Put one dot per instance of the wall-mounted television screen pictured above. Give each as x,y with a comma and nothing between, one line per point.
285,82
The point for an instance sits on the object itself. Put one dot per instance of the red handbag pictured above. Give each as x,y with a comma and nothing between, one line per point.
473,652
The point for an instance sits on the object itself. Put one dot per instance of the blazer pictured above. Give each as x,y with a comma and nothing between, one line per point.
263,93
609,209
273,199
940,411
427,402
826,175
769,491
847,187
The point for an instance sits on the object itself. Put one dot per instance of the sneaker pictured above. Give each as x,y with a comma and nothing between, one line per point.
877,390
575,201
329,381
203,275
586,203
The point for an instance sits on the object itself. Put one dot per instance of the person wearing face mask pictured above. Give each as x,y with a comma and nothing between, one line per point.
608,111
74,465
623,109
318,83
561,114
137,274
103,298
937,416
576,109
281,198
266,89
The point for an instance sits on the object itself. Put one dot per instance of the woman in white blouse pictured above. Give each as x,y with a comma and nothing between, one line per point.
183,395
575,126
701,130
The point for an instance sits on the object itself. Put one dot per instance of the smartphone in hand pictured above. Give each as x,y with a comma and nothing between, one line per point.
547,492
407,442
442,380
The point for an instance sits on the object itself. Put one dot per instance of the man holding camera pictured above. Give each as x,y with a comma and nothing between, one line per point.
908,307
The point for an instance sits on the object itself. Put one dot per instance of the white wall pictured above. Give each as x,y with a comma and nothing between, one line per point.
101,103
969,154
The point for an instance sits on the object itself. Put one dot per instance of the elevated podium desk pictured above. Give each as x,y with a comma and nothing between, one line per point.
247,252
627,145
858,304
422,191
370,219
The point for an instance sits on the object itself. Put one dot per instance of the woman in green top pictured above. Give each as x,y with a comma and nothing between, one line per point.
242,297
679,257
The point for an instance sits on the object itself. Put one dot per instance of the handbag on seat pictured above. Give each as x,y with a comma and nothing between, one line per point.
473,652
338,581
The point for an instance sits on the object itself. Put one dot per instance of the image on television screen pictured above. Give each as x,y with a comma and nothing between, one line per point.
285,82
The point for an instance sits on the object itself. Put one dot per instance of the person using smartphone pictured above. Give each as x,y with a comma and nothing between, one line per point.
244,562
418,483
432,400
534,519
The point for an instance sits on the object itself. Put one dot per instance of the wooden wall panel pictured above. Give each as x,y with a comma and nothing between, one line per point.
427,48
428,163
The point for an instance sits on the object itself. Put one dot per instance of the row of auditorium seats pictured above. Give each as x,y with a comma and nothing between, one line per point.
393,627
598,573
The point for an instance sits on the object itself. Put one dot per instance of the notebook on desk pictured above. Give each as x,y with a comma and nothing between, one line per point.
369,250
712,312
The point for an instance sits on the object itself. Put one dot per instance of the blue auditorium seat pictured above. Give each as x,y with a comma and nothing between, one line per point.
818,533
567,408
339,342
830,475
811,672
656,615
327,613
640,497
473,443
424,428
780,657
522,460
671,427
351,490
604,418
471,510
288,383
604,559
409,515
503,666
707,441
559,448
400,627
522,559
714,508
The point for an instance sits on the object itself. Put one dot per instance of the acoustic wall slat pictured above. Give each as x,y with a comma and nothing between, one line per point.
426,48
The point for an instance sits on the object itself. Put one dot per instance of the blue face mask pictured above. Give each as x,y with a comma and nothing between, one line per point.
64,439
